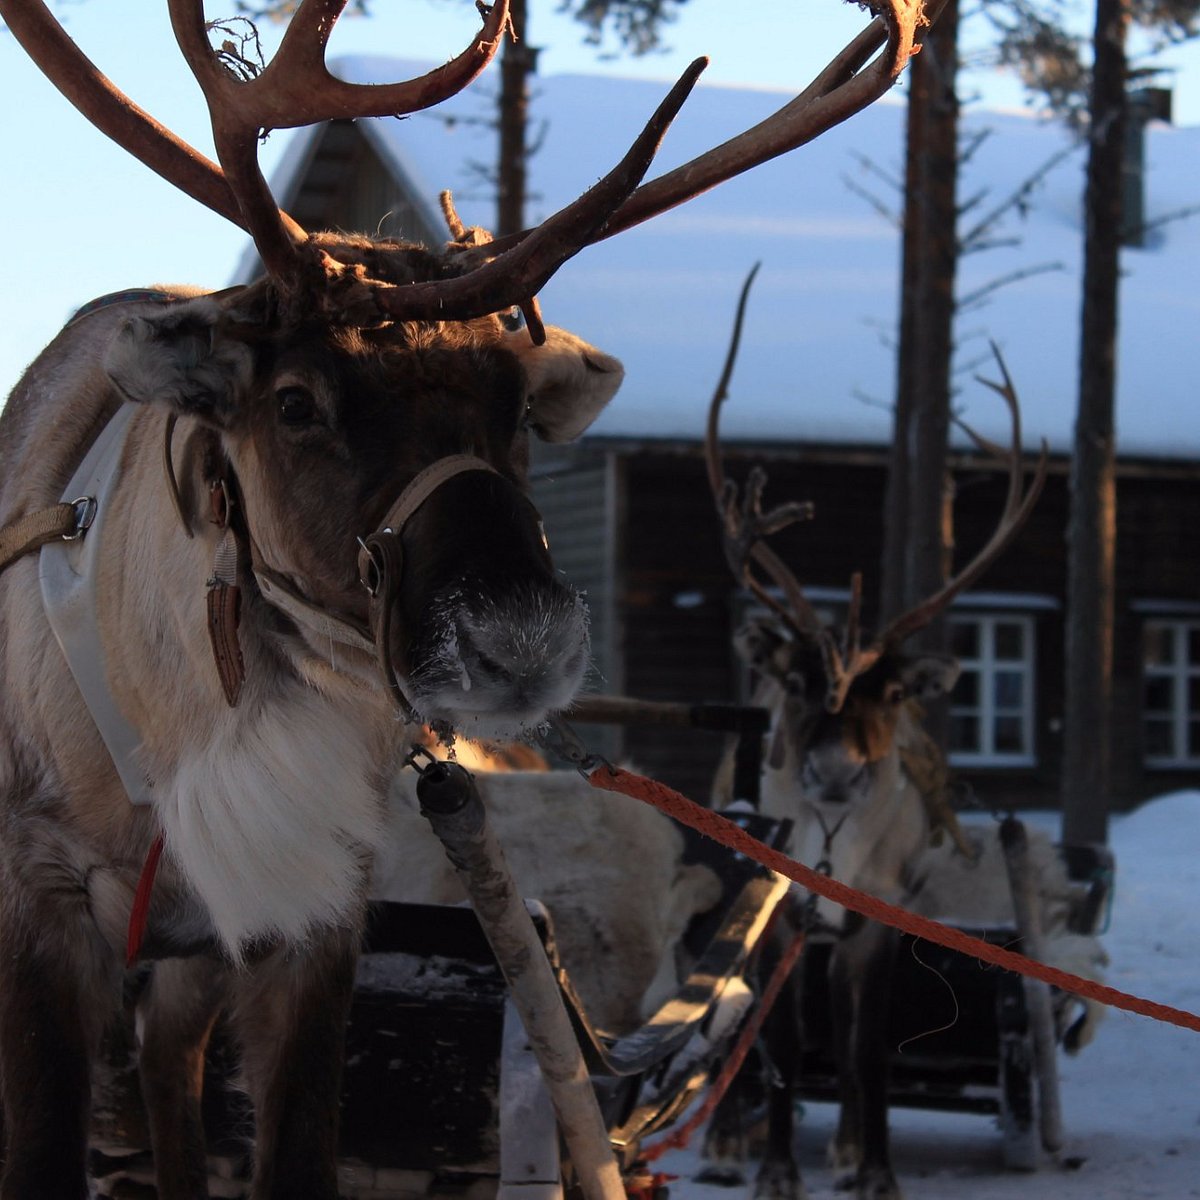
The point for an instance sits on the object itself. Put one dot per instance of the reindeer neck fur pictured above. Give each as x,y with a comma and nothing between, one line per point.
270,811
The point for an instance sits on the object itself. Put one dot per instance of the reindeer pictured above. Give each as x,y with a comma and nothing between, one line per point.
849,763
276,528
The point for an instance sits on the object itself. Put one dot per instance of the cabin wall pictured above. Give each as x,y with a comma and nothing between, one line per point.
578,495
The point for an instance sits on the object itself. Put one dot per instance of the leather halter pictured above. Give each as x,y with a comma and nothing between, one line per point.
381,569
381,557
380,565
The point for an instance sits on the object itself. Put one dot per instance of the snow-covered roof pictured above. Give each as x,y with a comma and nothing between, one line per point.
817,359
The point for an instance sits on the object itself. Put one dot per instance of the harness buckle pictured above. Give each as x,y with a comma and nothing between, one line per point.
85,514
559,738
421,759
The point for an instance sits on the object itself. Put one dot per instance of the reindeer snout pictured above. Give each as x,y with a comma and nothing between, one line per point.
832,778
504,665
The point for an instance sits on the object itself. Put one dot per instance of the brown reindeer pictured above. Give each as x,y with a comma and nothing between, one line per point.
850,765
277,526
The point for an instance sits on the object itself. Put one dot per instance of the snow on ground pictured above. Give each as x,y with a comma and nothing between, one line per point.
1131,1100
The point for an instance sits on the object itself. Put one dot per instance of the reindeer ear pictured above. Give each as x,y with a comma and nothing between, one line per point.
177,358
570,382
930,676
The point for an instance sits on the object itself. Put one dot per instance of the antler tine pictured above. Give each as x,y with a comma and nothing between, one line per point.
853,630
743,523
839,91
113,113
712,436
1016,512
844,664
297,89
517,274
307,35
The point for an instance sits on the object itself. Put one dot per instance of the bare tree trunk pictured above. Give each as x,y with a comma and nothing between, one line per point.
917,537
1091,534
518,61
895,513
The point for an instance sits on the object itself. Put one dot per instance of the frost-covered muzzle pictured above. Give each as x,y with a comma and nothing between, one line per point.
496,667
471,626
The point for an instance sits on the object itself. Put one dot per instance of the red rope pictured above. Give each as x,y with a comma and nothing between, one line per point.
677,1139
725,831
141,903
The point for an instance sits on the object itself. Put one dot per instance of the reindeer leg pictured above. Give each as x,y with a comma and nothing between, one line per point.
177,1013
864,962
290,1011
779,1175
726,1137
845,1151
47,1039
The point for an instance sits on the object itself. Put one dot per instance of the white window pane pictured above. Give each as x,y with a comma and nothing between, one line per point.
1159,643
966,690
964,733
1159,694
1159,740
1010,641
1009,689
1009,735
964,639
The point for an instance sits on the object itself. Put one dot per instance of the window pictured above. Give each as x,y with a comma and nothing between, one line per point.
1171,693
991,707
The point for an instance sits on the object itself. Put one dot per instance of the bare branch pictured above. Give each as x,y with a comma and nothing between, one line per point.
976,298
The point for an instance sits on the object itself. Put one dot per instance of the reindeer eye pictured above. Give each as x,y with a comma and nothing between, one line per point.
893,694
296,406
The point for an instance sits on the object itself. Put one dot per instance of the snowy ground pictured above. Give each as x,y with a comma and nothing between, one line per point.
1131,1100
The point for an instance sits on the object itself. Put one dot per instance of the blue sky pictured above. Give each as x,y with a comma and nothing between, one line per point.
82,218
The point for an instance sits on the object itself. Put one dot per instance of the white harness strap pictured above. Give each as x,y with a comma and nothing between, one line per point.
67,573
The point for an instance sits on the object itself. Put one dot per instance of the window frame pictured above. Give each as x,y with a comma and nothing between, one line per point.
1180,672
986,665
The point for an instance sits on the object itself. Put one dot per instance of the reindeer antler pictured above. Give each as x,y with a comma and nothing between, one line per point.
1017,508
296,88
744,525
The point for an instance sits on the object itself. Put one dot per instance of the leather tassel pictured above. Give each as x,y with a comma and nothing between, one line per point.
224,611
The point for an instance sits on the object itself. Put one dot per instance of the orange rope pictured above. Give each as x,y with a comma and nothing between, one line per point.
677,1139
725,831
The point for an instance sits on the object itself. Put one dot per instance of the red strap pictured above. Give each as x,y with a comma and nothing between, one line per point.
141,902
677,1139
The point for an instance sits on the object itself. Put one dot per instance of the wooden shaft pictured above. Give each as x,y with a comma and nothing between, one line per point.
453,807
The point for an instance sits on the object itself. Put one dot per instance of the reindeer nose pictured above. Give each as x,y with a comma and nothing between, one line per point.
831,781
